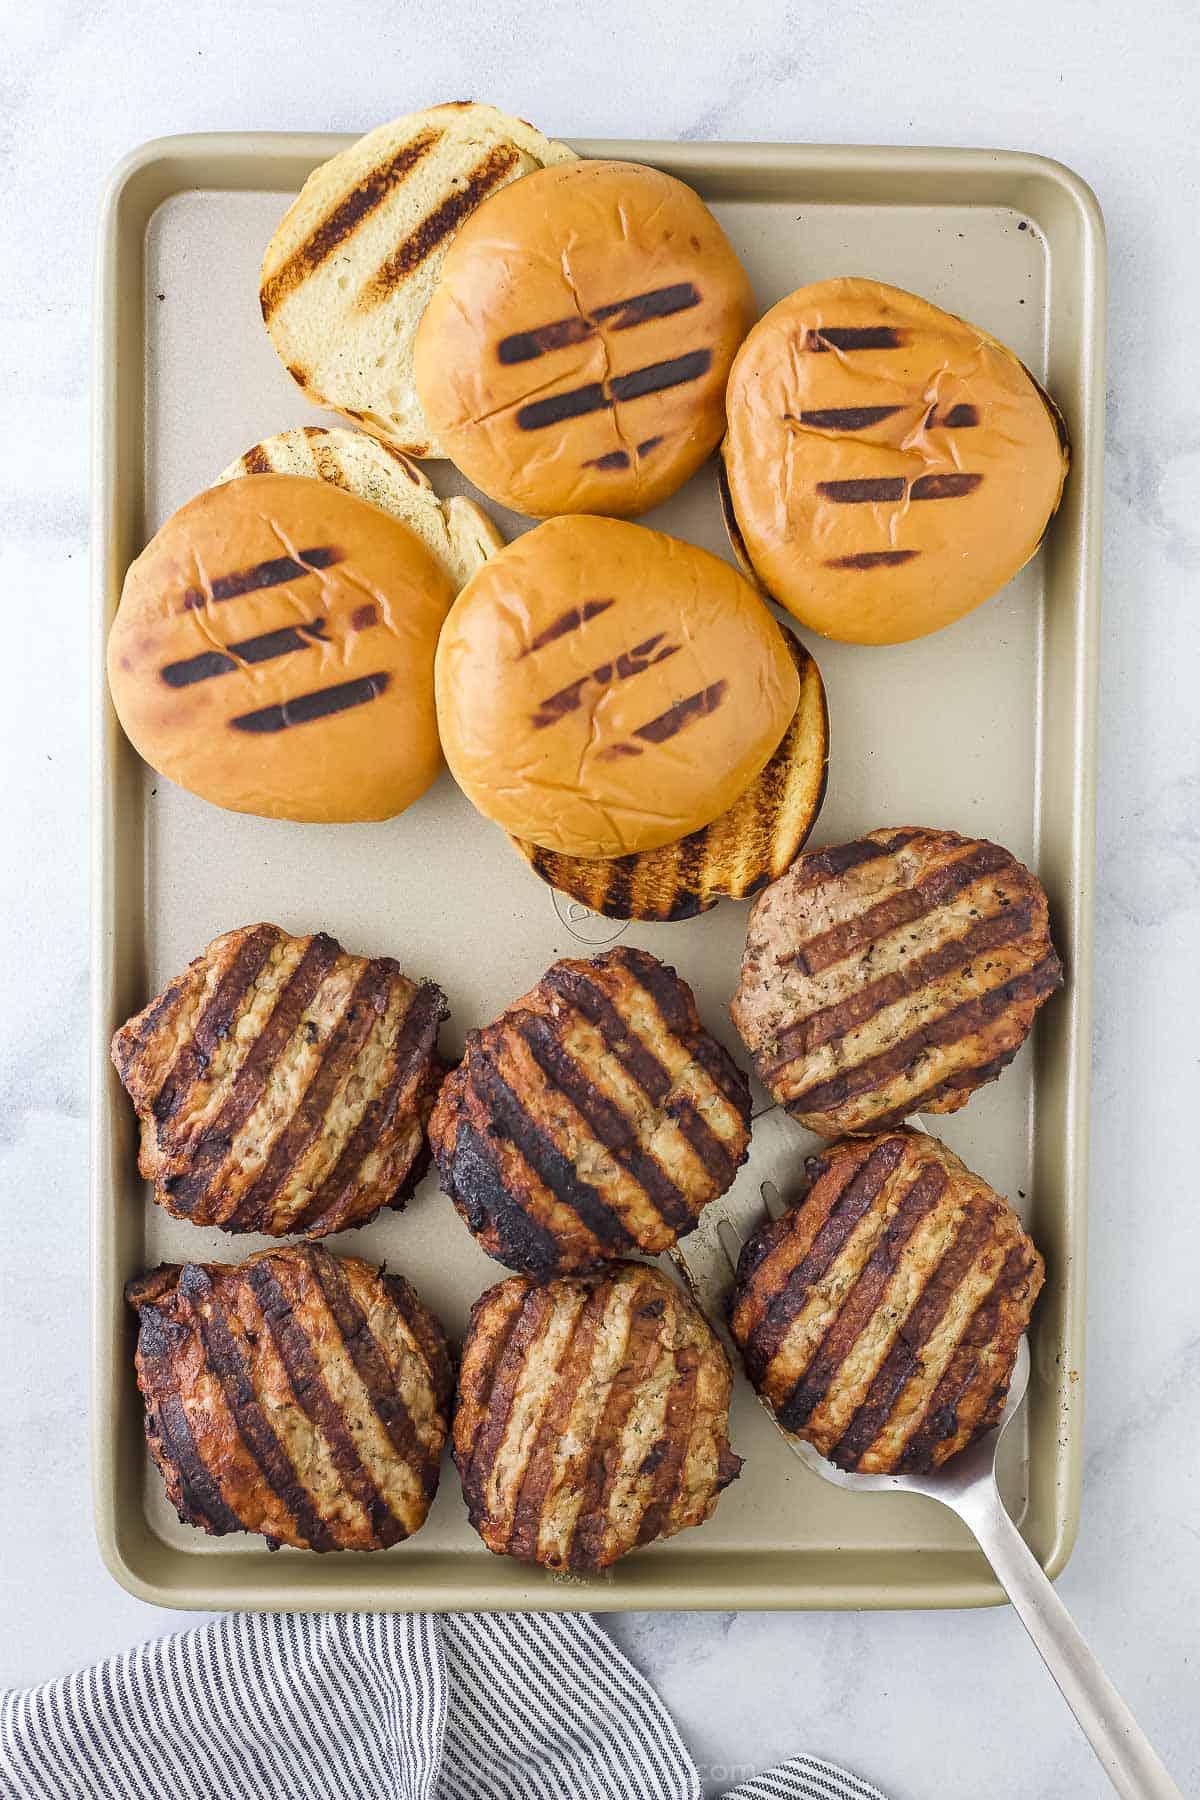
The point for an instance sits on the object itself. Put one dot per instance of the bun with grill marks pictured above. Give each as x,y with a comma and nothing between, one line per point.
273,652
353,261
887,466
574,354
880,1317
300,1394
595,1117
592,1416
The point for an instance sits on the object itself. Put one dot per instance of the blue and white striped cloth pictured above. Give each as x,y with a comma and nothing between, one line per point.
368,1706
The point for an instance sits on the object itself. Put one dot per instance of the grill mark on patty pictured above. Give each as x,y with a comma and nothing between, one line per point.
961,1022
606,1120
599,396
430,1338
643,1347
436,226
477,1185
264,648
904,1358
530,1321
871,559
657,303
199,1486
227,1363
271,573
366,1000
858,1307
684,712
826,865
371,1365
548,1163
906,907
542,1464
844,418
367,194
629,663
858,1194
852,1010
210,1150
854,337
667,1456
214,1022
130,1043
321,703
317,1403
566,622
412,1050
589,998
943,487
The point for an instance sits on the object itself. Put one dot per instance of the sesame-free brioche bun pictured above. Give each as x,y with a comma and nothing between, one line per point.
352,263
459,533
574,354
604,689
273,652
887,466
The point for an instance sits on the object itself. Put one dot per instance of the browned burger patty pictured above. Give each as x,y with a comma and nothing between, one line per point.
880,1317
301,1395
594,1117
592,1416
283,1086
892,975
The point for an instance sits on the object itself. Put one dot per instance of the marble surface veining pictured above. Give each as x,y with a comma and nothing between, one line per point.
922,1704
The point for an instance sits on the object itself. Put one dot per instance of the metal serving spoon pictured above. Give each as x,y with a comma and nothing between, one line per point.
967,1485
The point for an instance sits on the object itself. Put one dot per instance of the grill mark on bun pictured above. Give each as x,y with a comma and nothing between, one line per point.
904,1358
214,1144
272,573
859,1305
214,1022
944,487
863,490
437,225
256,462
566,622
674,372
854,337
321,703
960,1022
860,1188
317,1403
845,418
557,408
648,444
678,717
871,559
959,418
612,459
232,1371
598,396
368,193
623,667
657,303
264,648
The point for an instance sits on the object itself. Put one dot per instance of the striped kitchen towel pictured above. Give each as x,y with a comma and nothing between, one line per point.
368,1706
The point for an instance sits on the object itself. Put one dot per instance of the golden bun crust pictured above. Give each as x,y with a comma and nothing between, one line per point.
458,534
888,466
593,1416
574,354
880,1316
738,854
604,689
299,1394
273,652
352,263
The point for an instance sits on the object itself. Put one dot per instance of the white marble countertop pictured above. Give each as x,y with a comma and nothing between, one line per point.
923,1704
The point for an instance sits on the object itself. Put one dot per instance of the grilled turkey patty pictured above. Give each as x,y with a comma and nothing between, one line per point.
283,1086
592,1416
594,1117
300,1394
892,975
880,1317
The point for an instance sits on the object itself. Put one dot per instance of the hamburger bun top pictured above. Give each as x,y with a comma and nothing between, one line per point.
574,355
604,689
346,276
887,466
273,652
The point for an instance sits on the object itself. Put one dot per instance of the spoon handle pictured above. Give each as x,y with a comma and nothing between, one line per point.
1125,1753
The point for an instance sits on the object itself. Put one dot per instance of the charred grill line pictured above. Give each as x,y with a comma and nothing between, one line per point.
658,303
567,622
674,372
596,396
572,1370
612,459
943,487
437,225
321,703
557,408
524,1331
629,663
854,337
643,1348
846,418
591,1000
256,462
871,559
166,1414
668,1454
863,491
959,418
827,865
678,717
214,1023
475,1181
272,573
264,648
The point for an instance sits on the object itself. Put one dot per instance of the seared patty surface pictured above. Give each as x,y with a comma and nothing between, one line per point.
299,1394
596,1116
892,975
880,1316
592,1416
282,1085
